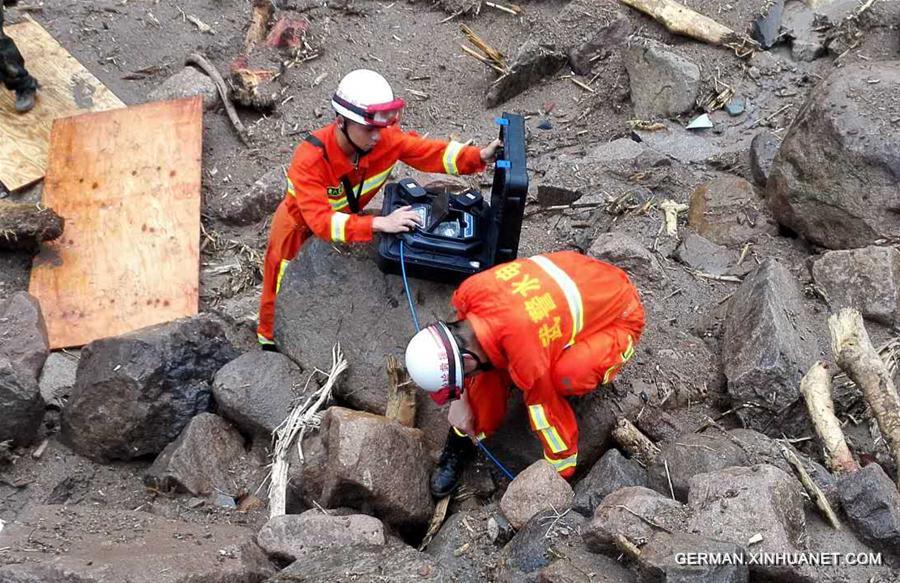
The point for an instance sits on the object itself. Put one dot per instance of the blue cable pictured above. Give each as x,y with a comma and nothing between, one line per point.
412,310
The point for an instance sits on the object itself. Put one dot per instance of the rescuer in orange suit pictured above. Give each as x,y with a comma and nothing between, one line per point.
338,169
556,325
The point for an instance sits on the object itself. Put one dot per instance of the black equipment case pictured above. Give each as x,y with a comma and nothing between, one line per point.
461,234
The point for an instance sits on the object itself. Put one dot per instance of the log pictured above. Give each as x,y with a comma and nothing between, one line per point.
816,390
815,493
259,24
213,73
856,356
682,20
401,402
24,227
638,445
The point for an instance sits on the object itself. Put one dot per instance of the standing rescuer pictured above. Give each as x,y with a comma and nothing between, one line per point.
556,325
338,169
12,69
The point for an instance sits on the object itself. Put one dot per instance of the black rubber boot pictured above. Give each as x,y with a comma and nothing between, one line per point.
25,99
458,451
269,348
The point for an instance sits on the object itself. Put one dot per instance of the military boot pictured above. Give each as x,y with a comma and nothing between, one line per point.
458,451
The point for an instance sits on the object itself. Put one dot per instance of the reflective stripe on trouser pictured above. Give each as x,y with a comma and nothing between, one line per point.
285,239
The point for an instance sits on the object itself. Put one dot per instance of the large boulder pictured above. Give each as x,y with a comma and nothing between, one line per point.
834,180
689,455
21,405
627,253
135,393
681,557
767,346
255,390
396,563
544,538
463,545
329,297
606,40
198,461
663,84
611,473
256,203
727,211
701,254
289,536
23,333
735,504
867,279
872,504
537,488
635,513
376,465
96,544
533,63
187,83
763,149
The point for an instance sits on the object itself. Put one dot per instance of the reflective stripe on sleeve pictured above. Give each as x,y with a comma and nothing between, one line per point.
339,227
451,155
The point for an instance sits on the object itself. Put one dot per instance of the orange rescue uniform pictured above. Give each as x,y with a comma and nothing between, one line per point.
556,325
316,203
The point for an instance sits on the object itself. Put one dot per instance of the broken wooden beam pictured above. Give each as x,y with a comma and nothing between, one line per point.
816,388
24,227
856,356
680,19
638,445
259,24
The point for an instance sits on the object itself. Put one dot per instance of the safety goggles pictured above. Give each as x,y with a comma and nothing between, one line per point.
378,115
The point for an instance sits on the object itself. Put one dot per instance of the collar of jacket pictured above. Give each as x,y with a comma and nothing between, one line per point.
341,163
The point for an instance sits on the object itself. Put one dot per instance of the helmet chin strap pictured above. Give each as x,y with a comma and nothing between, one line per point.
359,151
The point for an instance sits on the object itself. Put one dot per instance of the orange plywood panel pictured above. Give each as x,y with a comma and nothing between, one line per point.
67,89
127,183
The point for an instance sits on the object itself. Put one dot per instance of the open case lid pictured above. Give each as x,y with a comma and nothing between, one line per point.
509,189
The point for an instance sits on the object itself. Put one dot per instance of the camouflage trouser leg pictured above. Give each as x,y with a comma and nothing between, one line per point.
12,66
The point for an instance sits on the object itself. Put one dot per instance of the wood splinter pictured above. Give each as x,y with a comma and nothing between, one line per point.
816,389
815,493
638,445
401,405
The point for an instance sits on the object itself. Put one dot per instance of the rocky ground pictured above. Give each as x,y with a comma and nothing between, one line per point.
145,457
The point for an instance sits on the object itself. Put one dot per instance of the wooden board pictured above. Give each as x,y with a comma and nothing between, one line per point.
67,88
127,183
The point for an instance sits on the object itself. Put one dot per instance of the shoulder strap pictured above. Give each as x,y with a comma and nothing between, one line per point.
352,198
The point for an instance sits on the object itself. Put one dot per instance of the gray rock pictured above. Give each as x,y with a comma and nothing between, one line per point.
727,211
690,455
735,106
257,203
834,180
536,489
872,504
21,405
628,254
372,316
601,45
762,152
39,573
57,377
766,29
197,462
256,389
135,393
583,566
533,63
376,464
867,279
23,333
290,536
394,563
530,549
613,472
663,84
187,83
664,559
660,426
767,346
147,549
807,40
611,518
561,184
701,254
468,530
735,504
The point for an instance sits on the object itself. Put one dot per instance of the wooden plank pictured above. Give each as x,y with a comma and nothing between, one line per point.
127,183
67,89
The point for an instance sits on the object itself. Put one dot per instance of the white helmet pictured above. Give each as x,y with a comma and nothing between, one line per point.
434,360
366,97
